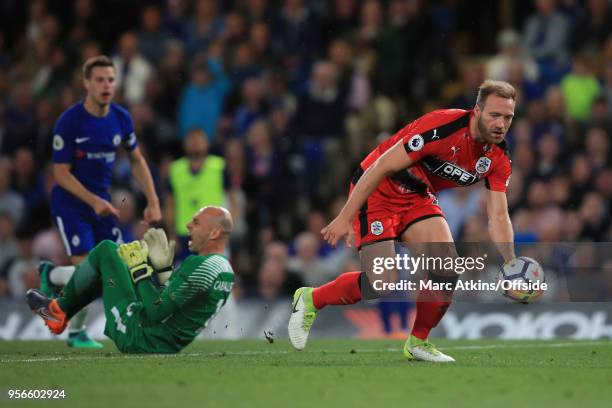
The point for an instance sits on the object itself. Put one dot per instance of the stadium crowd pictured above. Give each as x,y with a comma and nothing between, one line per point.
293,94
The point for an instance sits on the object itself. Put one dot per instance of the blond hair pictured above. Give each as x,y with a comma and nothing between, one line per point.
499,88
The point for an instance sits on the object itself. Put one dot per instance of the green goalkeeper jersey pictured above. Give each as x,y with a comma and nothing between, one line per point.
196,291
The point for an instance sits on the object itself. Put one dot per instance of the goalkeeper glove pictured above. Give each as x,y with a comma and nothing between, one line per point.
161,252
134,255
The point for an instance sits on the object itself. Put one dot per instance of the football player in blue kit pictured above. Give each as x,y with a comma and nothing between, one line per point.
85,142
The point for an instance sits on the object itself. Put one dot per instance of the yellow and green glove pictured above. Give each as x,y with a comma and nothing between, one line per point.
135,255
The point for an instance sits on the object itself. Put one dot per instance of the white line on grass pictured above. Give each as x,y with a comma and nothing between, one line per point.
275,352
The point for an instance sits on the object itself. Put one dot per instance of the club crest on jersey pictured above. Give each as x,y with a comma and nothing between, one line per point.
58,142
117,140
483,164
416,143
76,240
377,228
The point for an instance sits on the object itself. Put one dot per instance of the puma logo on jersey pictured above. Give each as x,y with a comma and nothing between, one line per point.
454,149
435,134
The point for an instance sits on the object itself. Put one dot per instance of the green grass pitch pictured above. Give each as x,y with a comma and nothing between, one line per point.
330,373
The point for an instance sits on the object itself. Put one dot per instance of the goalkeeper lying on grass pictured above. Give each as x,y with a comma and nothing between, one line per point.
139,317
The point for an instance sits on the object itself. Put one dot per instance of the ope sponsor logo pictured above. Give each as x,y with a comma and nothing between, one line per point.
455,173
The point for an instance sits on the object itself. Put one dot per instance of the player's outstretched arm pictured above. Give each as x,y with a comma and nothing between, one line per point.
392,161
140,169
66,180
500,225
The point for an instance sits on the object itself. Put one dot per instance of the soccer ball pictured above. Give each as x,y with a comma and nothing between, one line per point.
520,279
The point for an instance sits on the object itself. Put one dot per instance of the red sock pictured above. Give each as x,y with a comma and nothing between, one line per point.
344,290
428,316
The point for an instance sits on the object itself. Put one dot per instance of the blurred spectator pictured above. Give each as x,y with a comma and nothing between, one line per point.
255,10
353,82
595,214
600,114
527,90
205,26
45,118
472,75
580,88
20,115
295,32
272,282
509,44
267,182
319,121
52,74
87,24
592,27
243,65
607,84
549,153
195,181
260,46
235,29
48,246
251,108
171,79
36,14
26,180
546,36
306,263
7,241
597,146
581,178
132,69
152,38
22,272
202,101
11,202
175,19
340,21
458,205
603,183
6,145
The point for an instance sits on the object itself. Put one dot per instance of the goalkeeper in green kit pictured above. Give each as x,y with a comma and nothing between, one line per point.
139,317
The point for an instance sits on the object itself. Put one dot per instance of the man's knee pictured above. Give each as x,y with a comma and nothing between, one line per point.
106,246
101,251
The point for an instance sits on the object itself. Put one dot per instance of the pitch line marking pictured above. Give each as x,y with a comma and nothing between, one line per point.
276,352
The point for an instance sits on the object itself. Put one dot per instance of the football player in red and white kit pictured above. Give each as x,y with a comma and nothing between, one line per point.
392,199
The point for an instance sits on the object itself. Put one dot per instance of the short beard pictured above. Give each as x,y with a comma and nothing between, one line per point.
482,131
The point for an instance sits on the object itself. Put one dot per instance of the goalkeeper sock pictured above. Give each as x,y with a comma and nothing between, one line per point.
83,287
60,275
77,323
344,290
